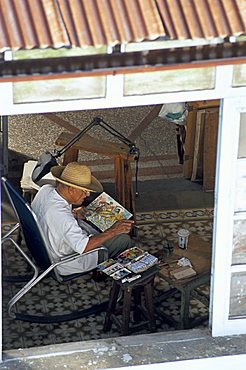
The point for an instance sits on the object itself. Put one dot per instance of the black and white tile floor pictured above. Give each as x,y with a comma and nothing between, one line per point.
49,296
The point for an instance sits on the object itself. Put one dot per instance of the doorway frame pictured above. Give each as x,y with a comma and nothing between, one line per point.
231,106
224,216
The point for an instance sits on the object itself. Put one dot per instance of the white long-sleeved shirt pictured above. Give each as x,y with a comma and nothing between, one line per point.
62,231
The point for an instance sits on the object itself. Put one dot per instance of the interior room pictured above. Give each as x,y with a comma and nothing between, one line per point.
172,188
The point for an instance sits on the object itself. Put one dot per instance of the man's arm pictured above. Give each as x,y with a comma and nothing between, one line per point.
119,227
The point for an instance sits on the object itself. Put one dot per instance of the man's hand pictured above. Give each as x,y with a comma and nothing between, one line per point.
119,227
79,213
122,227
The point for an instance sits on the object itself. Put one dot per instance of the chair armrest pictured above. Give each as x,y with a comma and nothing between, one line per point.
10,232
75,256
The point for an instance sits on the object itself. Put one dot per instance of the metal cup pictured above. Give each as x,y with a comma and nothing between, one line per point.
183,236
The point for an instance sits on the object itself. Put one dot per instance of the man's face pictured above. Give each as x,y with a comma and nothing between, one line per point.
78,195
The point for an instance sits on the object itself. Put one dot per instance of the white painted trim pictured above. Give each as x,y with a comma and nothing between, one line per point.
232,327
224,75
221,242
238,268
6,101
8,108
115,98
223,219
240,216
114,89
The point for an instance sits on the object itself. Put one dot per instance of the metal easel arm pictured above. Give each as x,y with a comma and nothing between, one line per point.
59,153
97,121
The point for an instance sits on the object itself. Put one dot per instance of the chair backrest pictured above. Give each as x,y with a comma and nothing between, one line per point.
31,230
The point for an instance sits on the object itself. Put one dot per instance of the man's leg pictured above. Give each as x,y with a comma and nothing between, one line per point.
115,246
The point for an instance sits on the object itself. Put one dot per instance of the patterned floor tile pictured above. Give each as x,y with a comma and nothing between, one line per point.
155,228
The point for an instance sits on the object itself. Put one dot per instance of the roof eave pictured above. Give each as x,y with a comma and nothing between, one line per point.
123,63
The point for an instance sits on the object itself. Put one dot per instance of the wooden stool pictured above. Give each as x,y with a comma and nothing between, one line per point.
145,283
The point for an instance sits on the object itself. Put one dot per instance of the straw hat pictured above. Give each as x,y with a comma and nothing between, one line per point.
78,176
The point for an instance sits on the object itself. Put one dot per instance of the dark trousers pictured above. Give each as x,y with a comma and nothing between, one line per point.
115,246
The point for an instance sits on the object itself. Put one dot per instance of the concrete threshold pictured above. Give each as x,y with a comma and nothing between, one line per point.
179,348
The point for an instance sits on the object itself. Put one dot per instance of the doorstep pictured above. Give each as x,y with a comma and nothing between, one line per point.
126,351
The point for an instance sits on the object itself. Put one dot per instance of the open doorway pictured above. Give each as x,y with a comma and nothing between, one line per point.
171,196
